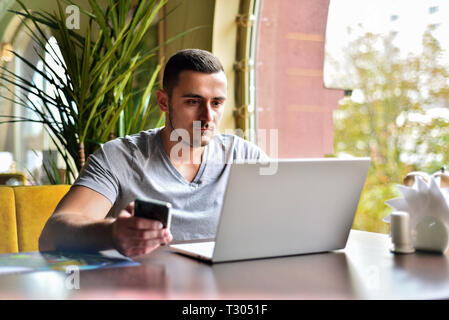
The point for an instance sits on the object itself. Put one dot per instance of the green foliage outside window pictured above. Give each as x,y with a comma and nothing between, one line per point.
392,123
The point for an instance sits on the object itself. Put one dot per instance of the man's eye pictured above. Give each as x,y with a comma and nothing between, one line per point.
217,103
192,102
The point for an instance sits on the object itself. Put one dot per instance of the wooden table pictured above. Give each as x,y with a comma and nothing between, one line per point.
365,269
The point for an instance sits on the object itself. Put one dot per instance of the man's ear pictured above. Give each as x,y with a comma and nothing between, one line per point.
162,100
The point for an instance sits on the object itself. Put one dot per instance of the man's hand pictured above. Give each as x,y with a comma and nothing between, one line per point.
133,236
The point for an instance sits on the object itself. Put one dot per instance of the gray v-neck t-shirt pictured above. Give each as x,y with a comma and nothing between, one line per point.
137,166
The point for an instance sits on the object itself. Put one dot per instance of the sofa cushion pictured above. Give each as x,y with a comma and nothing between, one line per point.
8,227
34,205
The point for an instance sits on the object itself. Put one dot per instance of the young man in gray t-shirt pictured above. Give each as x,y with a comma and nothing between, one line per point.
186,163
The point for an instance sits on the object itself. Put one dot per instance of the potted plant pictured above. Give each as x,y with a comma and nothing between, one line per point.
96,97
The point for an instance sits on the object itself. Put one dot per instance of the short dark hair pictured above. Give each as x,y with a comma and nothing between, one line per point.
189,59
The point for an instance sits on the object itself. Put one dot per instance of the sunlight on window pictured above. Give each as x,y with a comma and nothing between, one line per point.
37,139
54,62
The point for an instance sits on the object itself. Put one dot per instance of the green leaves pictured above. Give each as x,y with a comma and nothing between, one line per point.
385,125
96,95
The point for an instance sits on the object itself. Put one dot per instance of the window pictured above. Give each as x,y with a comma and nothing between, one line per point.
432,10
290,98
398,111
34,149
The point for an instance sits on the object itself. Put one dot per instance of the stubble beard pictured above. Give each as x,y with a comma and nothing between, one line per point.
194,142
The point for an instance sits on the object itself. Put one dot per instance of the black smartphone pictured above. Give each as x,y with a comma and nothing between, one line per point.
153,209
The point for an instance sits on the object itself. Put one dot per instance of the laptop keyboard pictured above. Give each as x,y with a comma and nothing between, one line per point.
205,249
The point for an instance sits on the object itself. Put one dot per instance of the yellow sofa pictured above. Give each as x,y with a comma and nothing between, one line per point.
24,210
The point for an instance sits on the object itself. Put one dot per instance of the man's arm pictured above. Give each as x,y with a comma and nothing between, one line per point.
79,223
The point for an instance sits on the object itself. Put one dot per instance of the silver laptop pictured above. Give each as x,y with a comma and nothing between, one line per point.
307,206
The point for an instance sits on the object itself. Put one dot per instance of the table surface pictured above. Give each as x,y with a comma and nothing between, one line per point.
365,269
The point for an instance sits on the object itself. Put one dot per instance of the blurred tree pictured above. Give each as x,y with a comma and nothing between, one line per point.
388,118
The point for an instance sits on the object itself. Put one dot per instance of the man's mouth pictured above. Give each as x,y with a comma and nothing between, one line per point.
204,129
208,128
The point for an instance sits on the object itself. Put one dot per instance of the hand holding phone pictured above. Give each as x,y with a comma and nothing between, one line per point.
153,209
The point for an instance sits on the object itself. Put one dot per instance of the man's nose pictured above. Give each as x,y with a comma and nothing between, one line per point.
206,113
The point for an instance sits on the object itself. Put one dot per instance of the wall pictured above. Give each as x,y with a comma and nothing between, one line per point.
47,5
224,41
216,33
291,97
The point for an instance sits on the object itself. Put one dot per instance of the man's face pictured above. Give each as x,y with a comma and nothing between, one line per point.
197,99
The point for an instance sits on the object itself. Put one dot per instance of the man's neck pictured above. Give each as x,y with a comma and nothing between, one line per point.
183,155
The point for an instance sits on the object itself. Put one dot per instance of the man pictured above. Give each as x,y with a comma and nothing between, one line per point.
185,163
